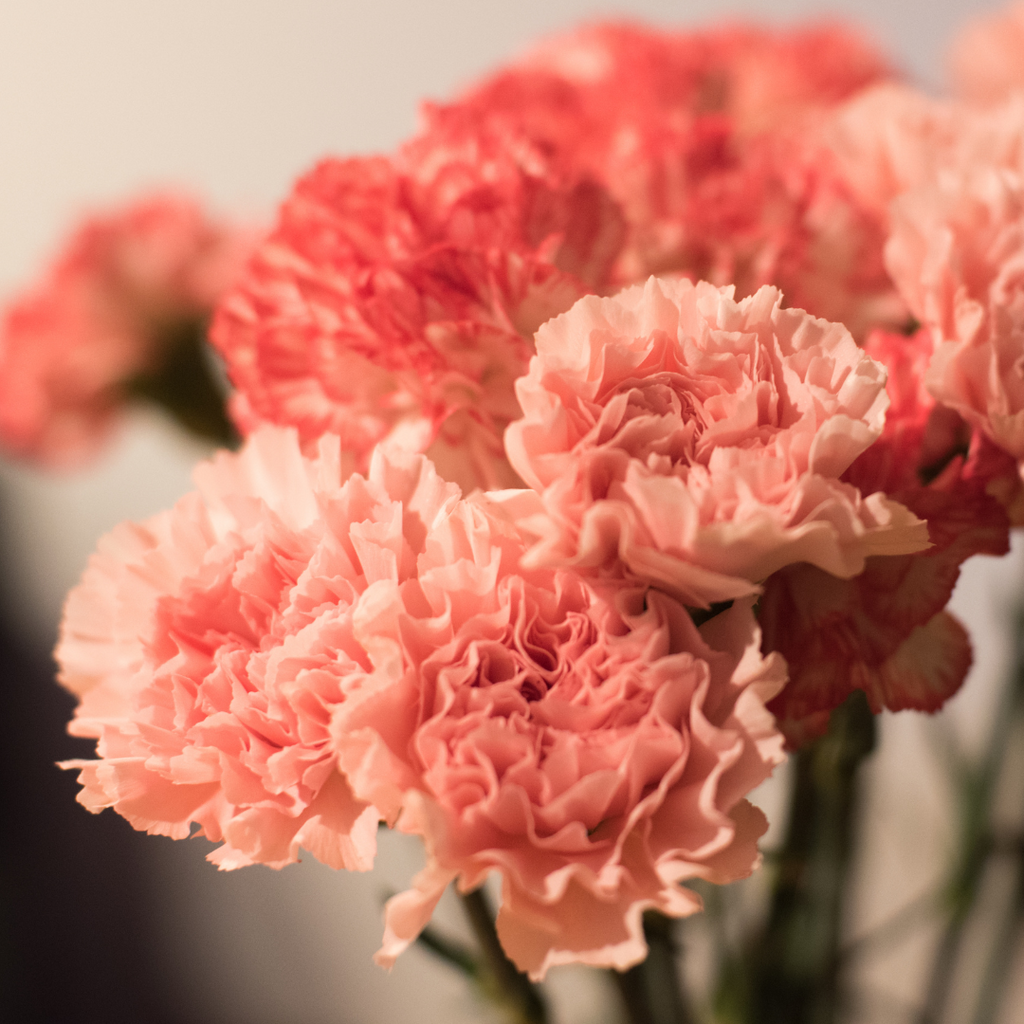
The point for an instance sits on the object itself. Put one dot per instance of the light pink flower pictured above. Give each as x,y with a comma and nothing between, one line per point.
957,255
891,139
681,438
885,631
594,755
210,646
104,313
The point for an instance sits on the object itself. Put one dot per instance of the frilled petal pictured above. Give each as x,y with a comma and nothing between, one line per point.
211,646
677,436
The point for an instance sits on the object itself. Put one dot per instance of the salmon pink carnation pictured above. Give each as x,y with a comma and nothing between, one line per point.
682,438
593,754
105,314
210,646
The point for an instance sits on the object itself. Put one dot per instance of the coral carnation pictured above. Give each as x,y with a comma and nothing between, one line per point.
210,645
104,314
396,299
593,754
677,436
705,141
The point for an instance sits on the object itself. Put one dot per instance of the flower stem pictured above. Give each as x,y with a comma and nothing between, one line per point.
185,384
651,991
514,989
977,795
452,953
1003,951
796,966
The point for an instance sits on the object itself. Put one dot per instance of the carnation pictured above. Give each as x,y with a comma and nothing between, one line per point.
105,315
891,139
708,143
956,252
396,299
886,631
594,754
677,436
210,646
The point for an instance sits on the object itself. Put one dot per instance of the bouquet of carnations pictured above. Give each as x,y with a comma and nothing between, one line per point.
625,428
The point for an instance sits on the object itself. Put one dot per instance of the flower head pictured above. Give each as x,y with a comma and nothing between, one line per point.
210,645
885,631
677,436
708,144
592,754
957,255
395,300
105,313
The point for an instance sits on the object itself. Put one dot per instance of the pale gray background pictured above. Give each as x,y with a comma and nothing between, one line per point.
234,99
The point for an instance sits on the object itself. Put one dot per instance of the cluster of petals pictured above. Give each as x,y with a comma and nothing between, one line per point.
290,655
948,178
101,315
677,436
595,754
891,139
885,631
705,142
210,645
395,300
957,254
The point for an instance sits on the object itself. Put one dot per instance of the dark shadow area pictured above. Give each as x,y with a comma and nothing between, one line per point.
76,943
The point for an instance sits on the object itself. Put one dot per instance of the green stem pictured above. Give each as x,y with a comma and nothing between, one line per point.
651,993
185,383
796,967
453,953
514,990
976,799
1004,948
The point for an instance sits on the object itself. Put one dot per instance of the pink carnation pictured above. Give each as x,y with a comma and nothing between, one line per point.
885,631
891,139
102,315
957,254
756,75
679,437
707,142
210,646
593,754
395,301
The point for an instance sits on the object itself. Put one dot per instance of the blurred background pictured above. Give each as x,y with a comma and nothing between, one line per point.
232,100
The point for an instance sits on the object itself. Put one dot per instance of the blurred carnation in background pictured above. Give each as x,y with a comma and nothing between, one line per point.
233,103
